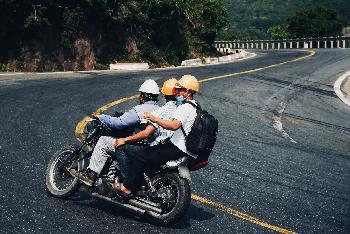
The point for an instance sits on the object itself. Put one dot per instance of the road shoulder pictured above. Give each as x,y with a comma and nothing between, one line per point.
342,88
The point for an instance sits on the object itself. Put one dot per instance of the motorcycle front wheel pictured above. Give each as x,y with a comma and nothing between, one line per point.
59,182
174,195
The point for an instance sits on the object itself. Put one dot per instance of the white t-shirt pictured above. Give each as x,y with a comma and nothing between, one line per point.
165,112
186,114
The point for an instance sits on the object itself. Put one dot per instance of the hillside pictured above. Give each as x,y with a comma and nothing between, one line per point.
252,18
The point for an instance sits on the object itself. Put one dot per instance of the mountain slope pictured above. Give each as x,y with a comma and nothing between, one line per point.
252,18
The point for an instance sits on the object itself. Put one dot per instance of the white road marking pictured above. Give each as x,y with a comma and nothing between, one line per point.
277,121
337,86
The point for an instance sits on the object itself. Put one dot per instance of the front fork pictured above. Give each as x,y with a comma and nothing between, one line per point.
78,159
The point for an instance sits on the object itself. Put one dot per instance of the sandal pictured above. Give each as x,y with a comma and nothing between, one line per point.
114,186
123,194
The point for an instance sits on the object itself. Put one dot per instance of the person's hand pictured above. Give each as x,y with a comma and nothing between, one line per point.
150,117
119,142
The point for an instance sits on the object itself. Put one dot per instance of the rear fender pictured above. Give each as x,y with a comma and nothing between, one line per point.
184,172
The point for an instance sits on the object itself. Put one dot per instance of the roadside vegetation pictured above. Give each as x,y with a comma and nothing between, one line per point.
63,35
317,22
254,19
42,35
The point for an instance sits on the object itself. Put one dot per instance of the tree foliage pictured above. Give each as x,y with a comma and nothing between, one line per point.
158,31
279,31
317,22
250,19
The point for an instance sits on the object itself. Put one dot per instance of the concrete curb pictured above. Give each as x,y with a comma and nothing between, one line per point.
242,54
211,61
129,66
342,88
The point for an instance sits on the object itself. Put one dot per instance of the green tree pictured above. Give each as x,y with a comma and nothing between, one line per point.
159,31
279,31
318,22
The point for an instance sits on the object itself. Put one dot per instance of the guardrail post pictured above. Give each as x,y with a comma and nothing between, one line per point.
329,42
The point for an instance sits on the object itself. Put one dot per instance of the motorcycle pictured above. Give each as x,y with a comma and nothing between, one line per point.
164,196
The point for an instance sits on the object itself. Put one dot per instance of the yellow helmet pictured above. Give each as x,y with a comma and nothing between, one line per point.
169,87
188,82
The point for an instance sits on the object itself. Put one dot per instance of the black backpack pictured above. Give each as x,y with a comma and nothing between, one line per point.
202,137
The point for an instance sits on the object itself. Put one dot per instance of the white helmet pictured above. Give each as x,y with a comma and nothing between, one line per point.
149,86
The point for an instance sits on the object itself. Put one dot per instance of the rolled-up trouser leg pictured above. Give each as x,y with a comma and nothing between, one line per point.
104,149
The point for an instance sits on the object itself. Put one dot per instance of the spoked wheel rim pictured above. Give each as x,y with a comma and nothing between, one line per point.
60,178
168,192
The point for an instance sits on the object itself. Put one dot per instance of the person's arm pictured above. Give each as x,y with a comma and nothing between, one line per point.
128,119
148,131
172,124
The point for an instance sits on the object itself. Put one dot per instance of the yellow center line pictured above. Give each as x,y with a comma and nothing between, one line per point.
81,125
239,214
311,53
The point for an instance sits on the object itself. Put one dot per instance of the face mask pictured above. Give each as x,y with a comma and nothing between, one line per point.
180,99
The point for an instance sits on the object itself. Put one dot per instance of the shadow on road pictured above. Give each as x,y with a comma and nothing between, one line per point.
83,198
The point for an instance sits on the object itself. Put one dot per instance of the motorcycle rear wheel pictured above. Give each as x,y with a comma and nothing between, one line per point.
59,182
176,194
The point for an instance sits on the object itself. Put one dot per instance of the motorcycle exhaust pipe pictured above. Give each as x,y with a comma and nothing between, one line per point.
131,204
144,206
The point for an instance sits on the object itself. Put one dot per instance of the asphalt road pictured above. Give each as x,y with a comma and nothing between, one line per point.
282,159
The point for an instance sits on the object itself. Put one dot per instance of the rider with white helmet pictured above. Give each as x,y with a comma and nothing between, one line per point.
104,148
149,92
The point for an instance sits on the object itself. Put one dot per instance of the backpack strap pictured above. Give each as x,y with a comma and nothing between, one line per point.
183,131
195,106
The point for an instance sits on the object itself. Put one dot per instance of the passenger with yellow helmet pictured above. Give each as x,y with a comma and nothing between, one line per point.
160,134
181,122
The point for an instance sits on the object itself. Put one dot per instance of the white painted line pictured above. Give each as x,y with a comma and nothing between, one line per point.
337,86
277,122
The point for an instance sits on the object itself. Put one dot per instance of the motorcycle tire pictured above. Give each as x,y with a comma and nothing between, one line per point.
178,193
56,174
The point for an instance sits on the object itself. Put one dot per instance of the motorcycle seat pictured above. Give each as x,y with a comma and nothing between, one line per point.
183,161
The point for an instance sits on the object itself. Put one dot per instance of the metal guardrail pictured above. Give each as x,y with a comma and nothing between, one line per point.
306,43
